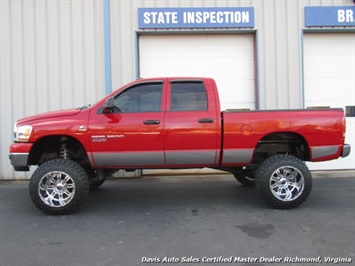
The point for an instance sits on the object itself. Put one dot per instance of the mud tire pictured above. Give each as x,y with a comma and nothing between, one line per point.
59,186
284,181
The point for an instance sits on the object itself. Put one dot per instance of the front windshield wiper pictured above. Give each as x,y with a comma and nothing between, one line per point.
84,107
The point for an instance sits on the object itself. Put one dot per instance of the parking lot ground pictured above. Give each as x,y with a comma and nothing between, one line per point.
185,220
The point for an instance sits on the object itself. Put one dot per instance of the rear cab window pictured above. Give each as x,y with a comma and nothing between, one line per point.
188,96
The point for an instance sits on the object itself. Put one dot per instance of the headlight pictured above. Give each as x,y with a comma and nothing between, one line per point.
22,133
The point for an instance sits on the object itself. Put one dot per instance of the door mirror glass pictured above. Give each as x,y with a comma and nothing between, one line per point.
109,106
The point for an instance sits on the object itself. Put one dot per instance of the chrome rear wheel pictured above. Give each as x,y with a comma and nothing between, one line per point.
284,181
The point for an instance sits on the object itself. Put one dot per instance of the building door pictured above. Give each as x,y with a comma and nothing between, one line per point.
329,81
228,58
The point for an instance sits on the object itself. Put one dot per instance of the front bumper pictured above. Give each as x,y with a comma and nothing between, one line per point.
19,161
346,150
19,155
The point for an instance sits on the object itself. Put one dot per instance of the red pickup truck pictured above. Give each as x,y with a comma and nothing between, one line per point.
173,123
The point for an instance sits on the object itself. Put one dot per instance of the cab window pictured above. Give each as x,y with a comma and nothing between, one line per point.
140,98
188,96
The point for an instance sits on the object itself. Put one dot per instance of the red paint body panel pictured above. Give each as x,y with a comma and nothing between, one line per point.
20,148
184,133
319,127
181,139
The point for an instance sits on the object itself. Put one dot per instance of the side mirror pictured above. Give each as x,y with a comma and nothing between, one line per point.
109,106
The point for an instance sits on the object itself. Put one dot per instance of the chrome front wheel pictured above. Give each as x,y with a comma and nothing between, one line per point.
59,186
56,189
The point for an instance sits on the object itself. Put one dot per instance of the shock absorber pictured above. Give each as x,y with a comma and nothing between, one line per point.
64,152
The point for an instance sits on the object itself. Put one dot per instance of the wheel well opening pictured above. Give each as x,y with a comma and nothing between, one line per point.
52,147
281,143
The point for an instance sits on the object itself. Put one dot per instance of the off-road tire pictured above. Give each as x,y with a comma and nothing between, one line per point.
95,181
59,186
94,185
284,181
244,177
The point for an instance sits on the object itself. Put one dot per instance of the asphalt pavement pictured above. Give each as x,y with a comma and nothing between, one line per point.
182,220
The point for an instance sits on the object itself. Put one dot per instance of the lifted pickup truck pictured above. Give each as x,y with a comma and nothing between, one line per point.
173,123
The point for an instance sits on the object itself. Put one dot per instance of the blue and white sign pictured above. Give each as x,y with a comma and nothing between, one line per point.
330,16
207,17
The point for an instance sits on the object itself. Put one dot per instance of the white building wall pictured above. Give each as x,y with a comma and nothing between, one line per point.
278,25
52,57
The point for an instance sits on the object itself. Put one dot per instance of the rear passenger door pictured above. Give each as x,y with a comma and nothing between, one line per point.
191,130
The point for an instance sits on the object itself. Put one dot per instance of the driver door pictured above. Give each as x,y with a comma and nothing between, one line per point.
131,136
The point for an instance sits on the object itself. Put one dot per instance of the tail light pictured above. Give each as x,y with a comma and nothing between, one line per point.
343,126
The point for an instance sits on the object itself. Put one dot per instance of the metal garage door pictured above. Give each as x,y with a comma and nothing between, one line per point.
228,58
329,73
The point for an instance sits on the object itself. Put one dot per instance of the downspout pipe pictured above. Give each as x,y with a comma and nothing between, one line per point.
107,43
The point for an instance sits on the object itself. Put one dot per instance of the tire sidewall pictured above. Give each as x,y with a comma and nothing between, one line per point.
244,177
75,171
264,174
96,184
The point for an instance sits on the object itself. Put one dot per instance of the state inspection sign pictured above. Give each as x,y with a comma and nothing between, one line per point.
175,18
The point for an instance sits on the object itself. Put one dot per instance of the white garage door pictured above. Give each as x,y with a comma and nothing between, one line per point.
329,72
228,58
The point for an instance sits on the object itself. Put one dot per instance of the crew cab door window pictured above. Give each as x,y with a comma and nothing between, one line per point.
140,98
188,96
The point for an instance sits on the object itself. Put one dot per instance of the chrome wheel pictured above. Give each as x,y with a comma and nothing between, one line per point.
286,183
56,189
59,186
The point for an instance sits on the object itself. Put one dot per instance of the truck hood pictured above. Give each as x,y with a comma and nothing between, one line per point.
52,114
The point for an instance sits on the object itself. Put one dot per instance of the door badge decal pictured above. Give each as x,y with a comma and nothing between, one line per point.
98,138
